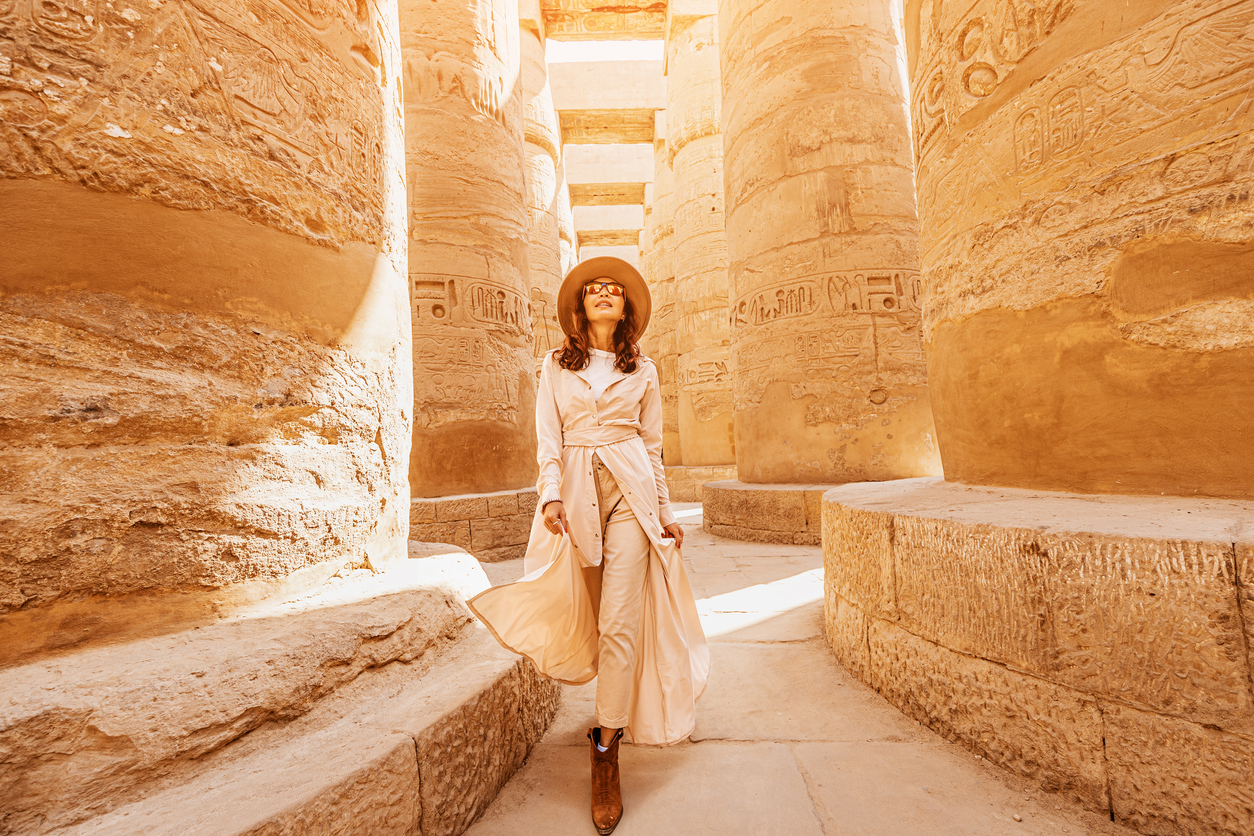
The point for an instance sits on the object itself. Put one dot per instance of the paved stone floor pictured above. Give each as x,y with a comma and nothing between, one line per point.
786,741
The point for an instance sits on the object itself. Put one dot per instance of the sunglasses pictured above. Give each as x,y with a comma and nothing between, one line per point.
593,288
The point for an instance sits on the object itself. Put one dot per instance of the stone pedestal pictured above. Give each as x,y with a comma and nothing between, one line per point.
687,484
202,295
474,377
695,151
1099,646
542,151
492,526
780,513
1084,173
822,236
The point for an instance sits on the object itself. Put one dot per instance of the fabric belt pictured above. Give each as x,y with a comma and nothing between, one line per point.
598,436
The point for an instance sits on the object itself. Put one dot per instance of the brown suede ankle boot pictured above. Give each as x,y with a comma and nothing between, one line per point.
607,795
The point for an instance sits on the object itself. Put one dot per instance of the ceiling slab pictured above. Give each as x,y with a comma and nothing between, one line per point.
590,20
606,127
606,194
608,238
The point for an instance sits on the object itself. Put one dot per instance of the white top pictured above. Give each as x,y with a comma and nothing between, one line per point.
600,372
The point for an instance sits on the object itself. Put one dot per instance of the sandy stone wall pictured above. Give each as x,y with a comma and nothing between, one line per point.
1084,184
491,526
695,150
830,380
542,150
202,299
474,378
1101,648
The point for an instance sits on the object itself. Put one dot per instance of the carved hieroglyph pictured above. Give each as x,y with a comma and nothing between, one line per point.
205,363
542,148
695,149
822,235
474,378
1088,241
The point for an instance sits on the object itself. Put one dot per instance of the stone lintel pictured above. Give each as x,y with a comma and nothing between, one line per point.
617,216
609,237
1097,644
608,194
629,254
768,513
606,127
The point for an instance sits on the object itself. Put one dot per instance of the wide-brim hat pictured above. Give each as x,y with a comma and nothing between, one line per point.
603,267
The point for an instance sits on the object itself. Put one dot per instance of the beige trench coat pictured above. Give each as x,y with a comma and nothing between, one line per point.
550,615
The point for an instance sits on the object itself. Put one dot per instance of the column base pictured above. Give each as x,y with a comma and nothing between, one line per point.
686,483
769,513
1099,645
491,526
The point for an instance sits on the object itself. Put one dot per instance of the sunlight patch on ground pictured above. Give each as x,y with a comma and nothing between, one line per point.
753,605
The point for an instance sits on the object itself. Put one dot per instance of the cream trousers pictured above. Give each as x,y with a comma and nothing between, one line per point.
625,560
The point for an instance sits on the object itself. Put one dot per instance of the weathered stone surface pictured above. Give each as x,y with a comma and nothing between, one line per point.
1169,776
665,302
492,526
822,236
767,513
363,784
694,146
1097,644
474,378
589,20
398,749
206,365
1086,155
845,626
686,484
80,734
860,570
1041,730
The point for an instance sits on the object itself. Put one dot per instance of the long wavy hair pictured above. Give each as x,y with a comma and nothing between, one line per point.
574,353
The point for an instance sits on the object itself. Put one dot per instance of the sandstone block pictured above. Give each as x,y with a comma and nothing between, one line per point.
421,511
505,505
1041,730
121,715
456,533
845,626
760,507
457,508
858,556
1172,776
496,532
737,532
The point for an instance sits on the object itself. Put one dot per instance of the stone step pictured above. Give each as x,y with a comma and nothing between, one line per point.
393,753
90,731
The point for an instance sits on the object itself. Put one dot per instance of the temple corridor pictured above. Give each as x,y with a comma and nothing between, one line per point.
786,743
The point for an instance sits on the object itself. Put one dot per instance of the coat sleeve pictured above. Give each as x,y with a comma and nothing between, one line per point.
548,436
651,432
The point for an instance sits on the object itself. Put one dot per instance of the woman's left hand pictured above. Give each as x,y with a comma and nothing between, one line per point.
673,530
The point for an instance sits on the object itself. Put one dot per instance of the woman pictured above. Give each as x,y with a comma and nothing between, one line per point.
605,593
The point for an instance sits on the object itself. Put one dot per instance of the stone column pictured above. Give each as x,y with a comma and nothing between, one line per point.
542,152
206,355
1087,243
830,380
567,245
695,148
665,305
474,382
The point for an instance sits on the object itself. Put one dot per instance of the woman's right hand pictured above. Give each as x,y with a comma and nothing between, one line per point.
555,517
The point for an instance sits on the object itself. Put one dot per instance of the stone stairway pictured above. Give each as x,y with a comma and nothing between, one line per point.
375,706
